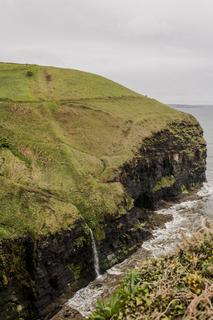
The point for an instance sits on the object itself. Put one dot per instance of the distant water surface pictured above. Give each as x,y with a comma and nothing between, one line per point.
204,115
188,217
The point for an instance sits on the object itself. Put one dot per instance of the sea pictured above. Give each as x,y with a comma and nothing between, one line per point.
188,217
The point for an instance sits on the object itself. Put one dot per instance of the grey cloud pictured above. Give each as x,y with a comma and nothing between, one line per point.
161,48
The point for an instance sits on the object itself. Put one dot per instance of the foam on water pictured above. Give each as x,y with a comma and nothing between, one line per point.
187,217
206,190
84,299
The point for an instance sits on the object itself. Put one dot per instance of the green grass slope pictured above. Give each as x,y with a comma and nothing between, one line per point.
35,83
63,135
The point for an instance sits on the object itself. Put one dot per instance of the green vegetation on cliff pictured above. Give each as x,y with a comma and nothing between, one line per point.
165,182
63,136
172,287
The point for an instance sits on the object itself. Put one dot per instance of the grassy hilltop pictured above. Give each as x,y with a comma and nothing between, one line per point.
63,135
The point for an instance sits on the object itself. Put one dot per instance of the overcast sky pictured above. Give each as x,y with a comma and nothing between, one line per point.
162,48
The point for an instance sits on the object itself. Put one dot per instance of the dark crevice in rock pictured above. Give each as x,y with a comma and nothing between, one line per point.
166,164
36,272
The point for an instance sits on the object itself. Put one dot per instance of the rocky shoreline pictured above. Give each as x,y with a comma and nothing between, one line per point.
168,164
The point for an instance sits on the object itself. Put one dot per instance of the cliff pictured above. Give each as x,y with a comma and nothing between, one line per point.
80,152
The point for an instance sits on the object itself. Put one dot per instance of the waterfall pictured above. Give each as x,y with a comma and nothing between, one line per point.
95,254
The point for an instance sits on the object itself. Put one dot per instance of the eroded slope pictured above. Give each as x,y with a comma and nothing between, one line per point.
64,134
78,151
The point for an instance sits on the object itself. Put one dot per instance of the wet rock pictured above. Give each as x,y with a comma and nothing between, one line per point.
69,314
39,271
36,272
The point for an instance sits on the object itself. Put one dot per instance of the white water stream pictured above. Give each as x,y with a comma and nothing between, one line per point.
188,217
95,254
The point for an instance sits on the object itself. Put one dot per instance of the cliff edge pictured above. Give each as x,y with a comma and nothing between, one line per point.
80,152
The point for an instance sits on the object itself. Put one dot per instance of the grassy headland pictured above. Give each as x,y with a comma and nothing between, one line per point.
63,135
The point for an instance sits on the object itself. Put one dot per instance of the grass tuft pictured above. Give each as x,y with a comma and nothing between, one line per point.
179,286
66,133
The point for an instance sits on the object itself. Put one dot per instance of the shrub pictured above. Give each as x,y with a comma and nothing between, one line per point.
173,287
48,77
29,73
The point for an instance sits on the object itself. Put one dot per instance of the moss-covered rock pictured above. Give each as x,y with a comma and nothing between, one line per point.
164,182
78,151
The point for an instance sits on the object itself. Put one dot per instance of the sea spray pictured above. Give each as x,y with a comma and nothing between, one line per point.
95,254
187,218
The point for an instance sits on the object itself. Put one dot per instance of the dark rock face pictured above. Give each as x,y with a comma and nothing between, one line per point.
123,237
34,273
168,164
